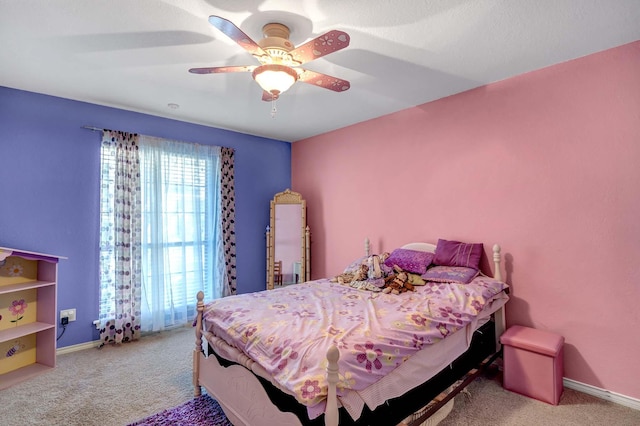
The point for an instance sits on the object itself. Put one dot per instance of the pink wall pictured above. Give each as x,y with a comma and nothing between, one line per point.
547,164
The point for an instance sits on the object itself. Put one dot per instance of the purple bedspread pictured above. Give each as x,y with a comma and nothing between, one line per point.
289,330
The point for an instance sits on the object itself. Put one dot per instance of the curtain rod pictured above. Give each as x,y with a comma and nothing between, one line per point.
99,129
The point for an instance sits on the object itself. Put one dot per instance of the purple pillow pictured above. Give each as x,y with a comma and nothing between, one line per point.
413,261
455,253
450,274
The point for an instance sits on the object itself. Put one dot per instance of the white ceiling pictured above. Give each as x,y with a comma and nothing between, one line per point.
134,55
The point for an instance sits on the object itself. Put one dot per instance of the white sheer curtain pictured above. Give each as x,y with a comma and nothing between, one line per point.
182,241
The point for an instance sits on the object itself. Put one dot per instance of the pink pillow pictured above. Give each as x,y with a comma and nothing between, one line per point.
455,253
450,274
413,261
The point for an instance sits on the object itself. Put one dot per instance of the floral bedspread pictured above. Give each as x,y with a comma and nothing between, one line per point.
289,330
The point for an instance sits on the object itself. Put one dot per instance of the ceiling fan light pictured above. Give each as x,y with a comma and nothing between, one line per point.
275,79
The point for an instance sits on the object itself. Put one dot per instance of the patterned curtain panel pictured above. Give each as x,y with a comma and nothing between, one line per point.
120,230
228,197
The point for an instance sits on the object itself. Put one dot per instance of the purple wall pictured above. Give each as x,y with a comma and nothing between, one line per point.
49,172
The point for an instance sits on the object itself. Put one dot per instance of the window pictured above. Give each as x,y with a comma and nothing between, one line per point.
160,233
181,239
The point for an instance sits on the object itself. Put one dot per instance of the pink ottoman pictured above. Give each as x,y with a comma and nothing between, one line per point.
533,363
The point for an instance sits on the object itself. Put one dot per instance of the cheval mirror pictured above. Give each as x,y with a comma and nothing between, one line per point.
288,241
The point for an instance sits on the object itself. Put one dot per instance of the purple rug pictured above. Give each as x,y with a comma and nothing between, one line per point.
200,411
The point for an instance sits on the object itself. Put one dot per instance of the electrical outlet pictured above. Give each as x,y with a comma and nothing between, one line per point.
68,313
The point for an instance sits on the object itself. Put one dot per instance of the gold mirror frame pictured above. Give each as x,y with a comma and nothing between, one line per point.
288,197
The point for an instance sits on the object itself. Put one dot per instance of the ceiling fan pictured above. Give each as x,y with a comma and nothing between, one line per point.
280,59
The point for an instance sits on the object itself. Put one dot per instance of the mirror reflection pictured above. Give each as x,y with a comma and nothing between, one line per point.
287,242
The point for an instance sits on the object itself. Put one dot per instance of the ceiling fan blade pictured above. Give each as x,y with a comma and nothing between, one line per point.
218,70
236,34
323,80
320,46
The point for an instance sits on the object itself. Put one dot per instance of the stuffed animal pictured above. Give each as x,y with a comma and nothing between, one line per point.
397,283
373,275
375,264
359,274
362,273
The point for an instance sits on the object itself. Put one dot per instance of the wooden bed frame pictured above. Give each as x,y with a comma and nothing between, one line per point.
242,396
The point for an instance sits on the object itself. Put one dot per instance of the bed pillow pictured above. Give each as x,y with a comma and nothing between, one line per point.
354,266
450,274
455,253
413,261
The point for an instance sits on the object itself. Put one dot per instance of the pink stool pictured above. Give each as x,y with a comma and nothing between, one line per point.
533,363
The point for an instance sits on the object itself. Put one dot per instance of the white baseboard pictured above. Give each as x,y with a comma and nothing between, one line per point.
627,401
79,347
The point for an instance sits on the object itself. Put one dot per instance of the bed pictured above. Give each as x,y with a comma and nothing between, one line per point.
320,352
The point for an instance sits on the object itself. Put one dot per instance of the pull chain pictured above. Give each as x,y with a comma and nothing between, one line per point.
274,110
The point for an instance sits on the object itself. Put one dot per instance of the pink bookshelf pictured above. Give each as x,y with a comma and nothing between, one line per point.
28,303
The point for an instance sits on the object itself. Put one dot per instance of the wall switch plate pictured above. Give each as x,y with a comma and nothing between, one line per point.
69,313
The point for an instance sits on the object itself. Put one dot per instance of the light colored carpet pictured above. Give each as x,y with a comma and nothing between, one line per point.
485,402
114,385
117,385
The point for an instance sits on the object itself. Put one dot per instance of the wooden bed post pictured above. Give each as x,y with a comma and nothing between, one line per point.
268,239
197,390
499,316
331,411
307,257
497,274
367,247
